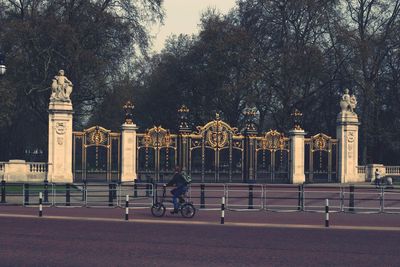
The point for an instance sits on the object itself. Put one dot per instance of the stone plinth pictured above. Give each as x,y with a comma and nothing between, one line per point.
347,135
60,142
16,171
370,171
297,156
19,171
128,153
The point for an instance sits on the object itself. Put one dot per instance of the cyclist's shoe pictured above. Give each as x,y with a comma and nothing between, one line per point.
175,211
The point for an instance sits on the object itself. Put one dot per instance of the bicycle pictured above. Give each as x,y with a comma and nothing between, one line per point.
186,209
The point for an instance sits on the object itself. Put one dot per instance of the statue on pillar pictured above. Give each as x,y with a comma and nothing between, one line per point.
61,88
348,103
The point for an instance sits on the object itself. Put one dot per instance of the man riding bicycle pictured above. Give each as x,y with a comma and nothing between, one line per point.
181,187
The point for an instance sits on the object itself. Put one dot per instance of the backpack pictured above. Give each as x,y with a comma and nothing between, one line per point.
187,178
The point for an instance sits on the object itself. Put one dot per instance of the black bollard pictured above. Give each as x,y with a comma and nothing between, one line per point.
382,200
114,191
84,191
300,198
46,191
147,185
351,199
250,196
26,194
202,197
135,194
3,191
110,195
67,195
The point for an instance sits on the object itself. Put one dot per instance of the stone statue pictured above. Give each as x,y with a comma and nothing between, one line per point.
348,103
61,88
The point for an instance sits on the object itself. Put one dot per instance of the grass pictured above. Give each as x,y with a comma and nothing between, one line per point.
18,188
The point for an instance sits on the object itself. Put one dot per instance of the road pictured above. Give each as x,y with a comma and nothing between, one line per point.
100,237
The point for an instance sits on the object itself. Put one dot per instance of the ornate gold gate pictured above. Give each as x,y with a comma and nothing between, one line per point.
216,153
96,155
321,159
272,158
157,154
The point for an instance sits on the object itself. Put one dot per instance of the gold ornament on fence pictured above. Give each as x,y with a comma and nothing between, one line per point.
273,140
97,136
157,137
320,142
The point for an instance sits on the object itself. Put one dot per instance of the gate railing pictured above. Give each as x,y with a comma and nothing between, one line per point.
305,197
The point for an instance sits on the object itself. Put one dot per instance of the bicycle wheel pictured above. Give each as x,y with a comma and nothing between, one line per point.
158,210
188,210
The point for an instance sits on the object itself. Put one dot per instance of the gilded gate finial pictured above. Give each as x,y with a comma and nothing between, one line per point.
297,117
183,119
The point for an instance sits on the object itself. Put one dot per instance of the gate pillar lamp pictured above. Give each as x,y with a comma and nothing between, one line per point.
297,118
2,64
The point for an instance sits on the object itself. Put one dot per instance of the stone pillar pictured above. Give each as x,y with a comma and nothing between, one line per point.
347,135
128,153
250,133
60,142
297,156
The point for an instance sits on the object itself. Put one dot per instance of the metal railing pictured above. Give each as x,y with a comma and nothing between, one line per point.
304,197
206,195
244,197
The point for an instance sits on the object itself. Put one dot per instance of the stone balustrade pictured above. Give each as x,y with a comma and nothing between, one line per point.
392,170
38,167
361,169
368,171
22,171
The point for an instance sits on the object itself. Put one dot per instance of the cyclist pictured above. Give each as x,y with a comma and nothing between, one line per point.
180,184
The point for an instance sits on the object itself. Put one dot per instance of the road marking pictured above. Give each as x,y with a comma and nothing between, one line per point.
186,222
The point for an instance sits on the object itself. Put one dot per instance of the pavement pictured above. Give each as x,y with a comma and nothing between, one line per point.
339,220
101,237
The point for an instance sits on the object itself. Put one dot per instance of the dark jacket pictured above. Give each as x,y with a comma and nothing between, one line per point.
177,180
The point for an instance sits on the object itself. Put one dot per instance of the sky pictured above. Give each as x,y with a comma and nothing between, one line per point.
183,16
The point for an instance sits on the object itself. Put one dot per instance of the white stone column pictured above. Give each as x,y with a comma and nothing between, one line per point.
347,135
297,156
60,142
128,153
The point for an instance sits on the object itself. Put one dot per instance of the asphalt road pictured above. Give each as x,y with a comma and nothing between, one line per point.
57,241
